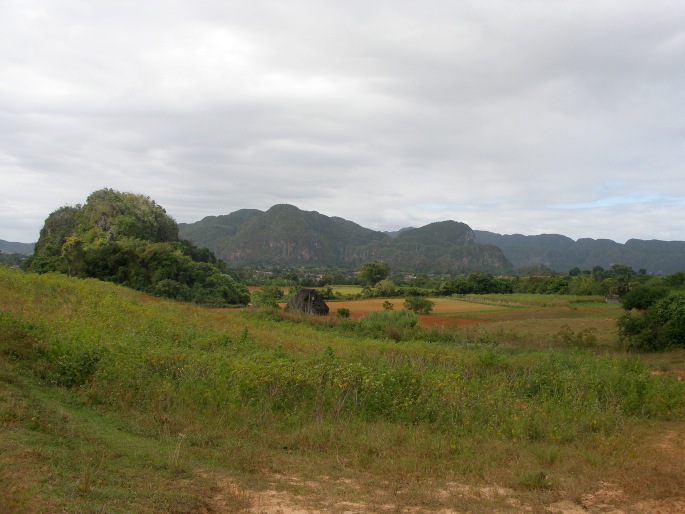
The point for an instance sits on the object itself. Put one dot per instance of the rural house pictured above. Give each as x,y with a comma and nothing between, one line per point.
309,301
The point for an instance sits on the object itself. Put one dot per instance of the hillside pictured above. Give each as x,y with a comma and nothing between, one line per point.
561,253
128,239
19,248
286,235
113,401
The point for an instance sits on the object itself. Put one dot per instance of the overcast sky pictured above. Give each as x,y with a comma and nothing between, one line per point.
527,117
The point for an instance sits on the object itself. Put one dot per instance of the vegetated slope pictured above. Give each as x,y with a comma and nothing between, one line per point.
286,235
249,393
561,253
130,240
20,248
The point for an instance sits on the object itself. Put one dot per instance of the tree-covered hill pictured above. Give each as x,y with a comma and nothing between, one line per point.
130,240
286,235
561,253
18,248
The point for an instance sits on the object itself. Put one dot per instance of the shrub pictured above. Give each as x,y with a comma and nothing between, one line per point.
642,297
659,327
419,304
268,296
343,312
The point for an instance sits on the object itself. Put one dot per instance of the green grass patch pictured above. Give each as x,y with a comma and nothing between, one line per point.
104,383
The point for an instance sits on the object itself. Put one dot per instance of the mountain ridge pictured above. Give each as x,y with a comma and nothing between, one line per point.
287,235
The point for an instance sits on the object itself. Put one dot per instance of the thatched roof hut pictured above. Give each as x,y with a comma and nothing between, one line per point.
309,301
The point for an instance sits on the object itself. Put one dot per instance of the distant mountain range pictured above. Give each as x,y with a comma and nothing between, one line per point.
20,248
561,253
287,236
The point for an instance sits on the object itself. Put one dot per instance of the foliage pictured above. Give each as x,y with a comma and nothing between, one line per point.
268,296
475,283
400,325
660,326
126,352
374,271
128,239
642,297
249,390
12,259
343,312
419,304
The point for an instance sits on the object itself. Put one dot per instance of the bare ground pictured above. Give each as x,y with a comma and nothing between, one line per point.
636,493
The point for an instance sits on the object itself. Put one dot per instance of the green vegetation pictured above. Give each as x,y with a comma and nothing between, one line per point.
173,392
374,271
268,296
659,326
419,304
128,239
287,236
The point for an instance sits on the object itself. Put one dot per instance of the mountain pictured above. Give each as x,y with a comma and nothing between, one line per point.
561,253
20,248
285,235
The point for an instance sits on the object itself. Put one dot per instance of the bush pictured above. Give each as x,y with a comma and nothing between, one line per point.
659,327
418,304
268,296
642,297
343,312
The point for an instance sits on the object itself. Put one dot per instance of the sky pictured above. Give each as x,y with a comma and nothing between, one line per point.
516,116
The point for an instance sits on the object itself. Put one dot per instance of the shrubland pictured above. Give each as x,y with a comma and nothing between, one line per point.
260,394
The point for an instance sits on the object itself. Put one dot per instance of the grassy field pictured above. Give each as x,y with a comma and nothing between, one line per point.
112,401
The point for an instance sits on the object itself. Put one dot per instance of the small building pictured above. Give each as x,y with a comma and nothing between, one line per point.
309,301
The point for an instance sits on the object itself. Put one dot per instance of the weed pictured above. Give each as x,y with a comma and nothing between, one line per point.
175,456
586,338
88,470
238,499
534,480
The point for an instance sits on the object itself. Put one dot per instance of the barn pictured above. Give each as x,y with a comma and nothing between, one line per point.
309,301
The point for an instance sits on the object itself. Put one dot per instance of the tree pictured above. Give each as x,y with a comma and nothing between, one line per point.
641,297
419,304
660,326
374,271
268,296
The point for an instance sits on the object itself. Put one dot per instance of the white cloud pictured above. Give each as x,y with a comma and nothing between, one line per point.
546,116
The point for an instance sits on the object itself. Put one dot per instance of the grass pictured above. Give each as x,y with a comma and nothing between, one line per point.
117,402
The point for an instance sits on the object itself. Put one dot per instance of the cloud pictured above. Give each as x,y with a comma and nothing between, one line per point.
541,117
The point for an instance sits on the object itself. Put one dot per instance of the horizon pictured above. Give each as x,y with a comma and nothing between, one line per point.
389,230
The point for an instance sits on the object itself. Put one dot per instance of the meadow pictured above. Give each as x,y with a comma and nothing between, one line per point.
114,401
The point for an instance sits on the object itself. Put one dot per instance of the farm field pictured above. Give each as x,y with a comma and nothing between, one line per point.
522,320
114,401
